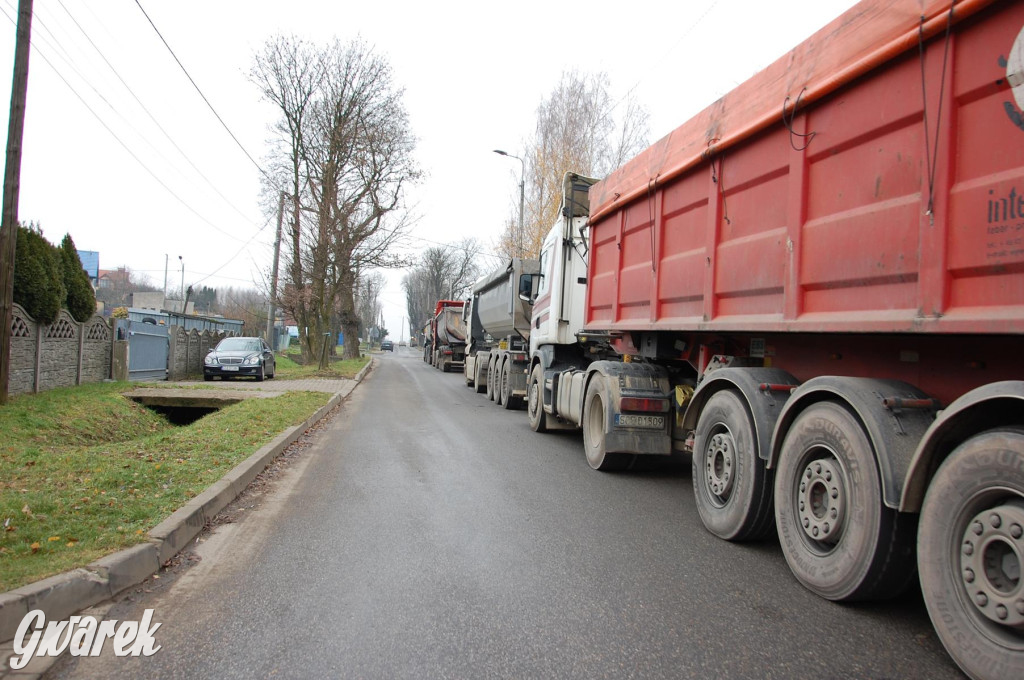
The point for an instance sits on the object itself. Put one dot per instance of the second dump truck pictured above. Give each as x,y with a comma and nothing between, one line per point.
499,335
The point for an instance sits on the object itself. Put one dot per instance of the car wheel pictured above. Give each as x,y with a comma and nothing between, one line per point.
259,374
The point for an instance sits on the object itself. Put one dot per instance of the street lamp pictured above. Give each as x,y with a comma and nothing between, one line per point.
522,198
182,283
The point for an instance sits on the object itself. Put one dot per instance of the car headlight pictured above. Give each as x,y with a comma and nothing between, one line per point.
253,360
210,360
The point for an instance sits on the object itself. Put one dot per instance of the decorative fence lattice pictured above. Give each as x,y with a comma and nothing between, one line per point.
63,353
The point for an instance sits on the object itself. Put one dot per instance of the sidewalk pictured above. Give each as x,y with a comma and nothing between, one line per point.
63,595
272,385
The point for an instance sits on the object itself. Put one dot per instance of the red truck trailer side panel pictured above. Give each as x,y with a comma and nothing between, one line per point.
898,215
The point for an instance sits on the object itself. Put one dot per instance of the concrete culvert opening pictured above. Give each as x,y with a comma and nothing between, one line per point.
182,415
186,406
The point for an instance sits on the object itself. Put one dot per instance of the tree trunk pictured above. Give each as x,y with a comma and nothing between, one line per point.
349,322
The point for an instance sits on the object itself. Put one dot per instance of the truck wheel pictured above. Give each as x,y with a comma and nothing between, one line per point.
535,401
499,387
593,430
970,552
479,382
839,539
732,488
508,401
492,377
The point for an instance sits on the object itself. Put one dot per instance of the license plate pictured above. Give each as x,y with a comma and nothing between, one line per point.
229,368
630,420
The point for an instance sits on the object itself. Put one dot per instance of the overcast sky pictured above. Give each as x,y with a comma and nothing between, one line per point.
121,151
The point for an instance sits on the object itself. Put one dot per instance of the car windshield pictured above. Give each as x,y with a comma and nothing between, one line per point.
238,345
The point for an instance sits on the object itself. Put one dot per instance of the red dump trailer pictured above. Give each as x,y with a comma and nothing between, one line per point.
825,269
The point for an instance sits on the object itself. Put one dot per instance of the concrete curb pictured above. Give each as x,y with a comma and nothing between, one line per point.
62,595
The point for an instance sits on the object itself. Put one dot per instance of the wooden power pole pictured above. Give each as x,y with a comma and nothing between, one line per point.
273,276
12,184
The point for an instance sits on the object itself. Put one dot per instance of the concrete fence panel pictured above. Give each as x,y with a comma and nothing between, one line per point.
60,354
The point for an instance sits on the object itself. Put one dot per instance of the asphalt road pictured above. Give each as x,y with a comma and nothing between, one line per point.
430,534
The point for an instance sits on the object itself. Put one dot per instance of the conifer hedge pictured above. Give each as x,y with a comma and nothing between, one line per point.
47,278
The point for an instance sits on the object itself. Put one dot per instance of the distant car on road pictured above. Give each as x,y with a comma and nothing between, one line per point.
387,346
233,357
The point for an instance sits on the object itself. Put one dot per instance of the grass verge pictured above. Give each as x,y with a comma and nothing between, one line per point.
87,472
288,369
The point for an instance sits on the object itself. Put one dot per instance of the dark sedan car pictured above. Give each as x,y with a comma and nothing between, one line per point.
240,356
387,346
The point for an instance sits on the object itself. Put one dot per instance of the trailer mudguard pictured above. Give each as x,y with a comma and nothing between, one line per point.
994,405
633,380
763,389
882,406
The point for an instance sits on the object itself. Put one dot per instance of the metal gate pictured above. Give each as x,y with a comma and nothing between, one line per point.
147,350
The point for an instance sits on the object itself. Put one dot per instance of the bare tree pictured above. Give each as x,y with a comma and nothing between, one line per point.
368,305
288,73
577,130
245,304
443,273
346,144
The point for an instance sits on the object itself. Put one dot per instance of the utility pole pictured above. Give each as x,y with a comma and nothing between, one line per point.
12,186
273,273
167,259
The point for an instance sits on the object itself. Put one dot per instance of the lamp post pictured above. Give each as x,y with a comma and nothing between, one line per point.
182,283
522,198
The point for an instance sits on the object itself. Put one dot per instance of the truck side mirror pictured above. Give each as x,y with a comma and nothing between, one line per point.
526,288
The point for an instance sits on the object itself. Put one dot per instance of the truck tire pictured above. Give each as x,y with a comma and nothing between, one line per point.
593,424
491,378
508,401
970,552
535,400
732,488
499,384
479,382
840,540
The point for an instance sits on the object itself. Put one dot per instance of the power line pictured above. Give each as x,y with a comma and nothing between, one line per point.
231,259
42,55
185,71
209,183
